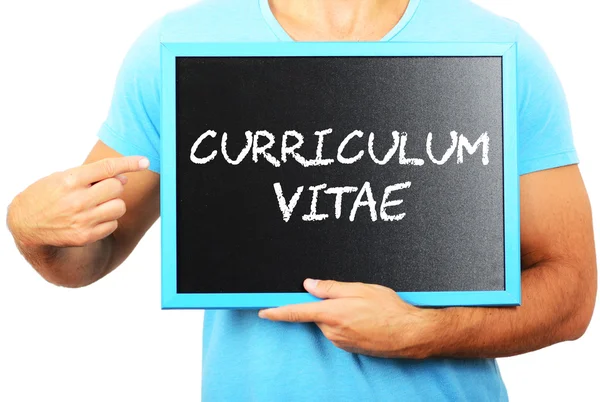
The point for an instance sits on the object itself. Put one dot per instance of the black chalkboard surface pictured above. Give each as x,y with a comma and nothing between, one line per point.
379,169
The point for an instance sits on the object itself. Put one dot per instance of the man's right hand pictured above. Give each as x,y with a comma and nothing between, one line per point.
75,207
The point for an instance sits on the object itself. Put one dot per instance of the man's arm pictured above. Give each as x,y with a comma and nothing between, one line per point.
559,283
69,239
559,278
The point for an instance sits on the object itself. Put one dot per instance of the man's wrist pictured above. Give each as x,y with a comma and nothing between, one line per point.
455,329
434,329
444,331
422,339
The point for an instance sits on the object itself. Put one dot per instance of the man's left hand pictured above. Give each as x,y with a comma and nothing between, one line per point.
364,318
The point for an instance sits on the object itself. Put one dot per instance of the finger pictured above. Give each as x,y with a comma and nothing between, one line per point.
110,167
122,178
305,312
102,230
108,211
330,289
104,190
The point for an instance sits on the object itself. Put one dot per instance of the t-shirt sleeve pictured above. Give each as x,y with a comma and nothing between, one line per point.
132,126
544,127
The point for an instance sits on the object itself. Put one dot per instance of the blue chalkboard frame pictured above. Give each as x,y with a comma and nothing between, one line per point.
510,296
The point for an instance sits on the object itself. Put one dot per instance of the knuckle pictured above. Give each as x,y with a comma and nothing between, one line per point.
320,316
294,316
331,334
76,204
327,285
110,168
115,186
384,289
68,179
81,237
334,320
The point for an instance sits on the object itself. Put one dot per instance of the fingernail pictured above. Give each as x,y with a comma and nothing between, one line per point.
311,283
122,178
144,163
261,313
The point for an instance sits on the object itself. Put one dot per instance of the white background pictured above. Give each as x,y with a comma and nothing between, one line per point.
110,341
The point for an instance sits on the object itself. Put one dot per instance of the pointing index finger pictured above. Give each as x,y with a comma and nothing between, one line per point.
110,167
305,312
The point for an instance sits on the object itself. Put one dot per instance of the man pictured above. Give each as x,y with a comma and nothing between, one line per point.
362,343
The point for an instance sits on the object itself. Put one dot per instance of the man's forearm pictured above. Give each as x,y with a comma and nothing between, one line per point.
71,266
65,266
556,306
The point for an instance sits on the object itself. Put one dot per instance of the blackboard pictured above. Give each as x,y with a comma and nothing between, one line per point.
381,168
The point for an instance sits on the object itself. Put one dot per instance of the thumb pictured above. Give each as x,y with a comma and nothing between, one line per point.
330,289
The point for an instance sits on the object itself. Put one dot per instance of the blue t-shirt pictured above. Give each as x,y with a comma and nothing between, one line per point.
248,358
